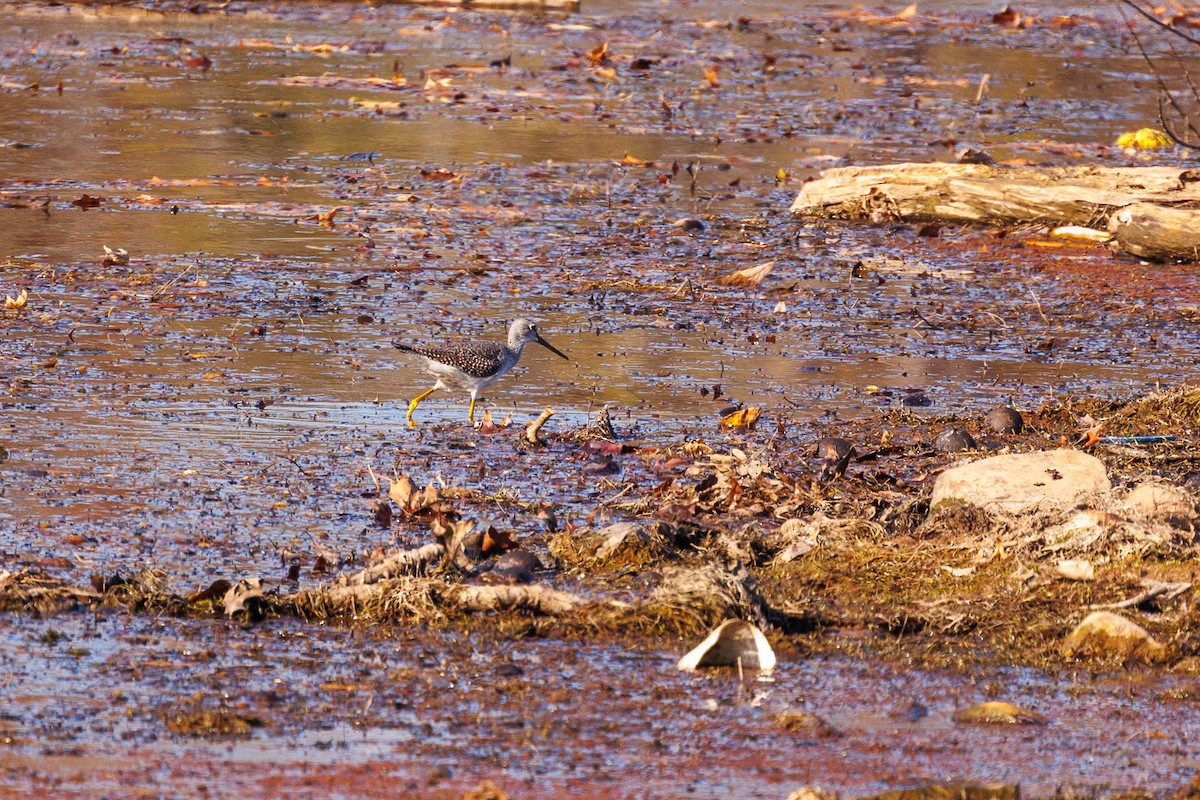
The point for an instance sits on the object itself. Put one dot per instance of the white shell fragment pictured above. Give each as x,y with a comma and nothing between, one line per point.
733,640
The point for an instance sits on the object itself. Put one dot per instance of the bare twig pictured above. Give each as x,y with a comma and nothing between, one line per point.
531,433
1137,7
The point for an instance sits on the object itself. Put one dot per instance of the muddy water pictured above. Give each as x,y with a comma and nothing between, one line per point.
219,405
330,701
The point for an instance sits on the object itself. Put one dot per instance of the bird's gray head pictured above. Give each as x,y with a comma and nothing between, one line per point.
523,331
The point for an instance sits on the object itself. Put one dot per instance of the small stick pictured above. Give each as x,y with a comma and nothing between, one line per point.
983,82
531,433
1039,306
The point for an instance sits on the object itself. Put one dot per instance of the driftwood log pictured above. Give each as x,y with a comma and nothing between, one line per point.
1149,212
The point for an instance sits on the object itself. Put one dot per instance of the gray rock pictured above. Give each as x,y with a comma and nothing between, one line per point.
1161,501
1022,482
1103,634
1004,419
954,440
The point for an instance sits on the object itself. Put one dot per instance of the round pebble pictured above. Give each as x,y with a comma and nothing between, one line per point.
1004,419
953,440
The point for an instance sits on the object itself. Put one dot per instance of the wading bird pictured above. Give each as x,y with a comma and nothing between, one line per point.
473,365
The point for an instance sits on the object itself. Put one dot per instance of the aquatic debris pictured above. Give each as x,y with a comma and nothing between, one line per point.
405,562
16,303
535,427
750,276
998,713
688,224
248,596
1103,634
427,502
734,643
810,728
804,536
211,723
837,453
115,258
742,418
812,793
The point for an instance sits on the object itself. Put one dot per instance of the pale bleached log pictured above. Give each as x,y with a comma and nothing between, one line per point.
538,599
975,193
405,562
1157,233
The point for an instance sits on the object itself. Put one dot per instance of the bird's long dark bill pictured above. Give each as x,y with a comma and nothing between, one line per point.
551,348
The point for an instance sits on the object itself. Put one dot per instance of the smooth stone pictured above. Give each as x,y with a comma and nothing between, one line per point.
954,440
998,713
1015,483
1103,634
1004,419
517,559
1160,501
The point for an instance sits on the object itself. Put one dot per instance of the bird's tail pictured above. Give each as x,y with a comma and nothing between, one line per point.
406,348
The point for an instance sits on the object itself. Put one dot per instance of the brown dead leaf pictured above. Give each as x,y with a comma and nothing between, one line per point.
1093,434
908,13
712,74
326,217
87,201
1007,18
200,62
16,303
634,161
495,541
403,493
750,276
598,54
742,418
438,174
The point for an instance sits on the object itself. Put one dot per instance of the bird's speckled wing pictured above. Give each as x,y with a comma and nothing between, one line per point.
477,359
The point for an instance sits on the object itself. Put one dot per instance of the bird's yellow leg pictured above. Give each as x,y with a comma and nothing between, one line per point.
471,412
416,401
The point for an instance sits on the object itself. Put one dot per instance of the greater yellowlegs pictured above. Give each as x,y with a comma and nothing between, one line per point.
473,365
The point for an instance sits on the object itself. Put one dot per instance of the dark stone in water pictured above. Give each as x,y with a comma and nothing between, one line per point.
916,400
1004,419
953,440
517,559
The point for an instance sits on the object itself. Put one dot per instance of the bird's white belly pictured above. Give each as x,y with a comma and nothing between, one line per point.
450,378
